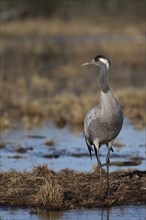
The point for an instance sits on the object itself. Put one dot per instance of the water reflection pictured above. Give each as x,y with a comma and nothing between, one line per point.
47,214
107,214
102,214
113,213
128,213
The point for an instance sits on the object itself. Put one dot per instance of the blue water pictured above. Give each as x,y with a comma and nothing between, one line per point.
66,143
115,213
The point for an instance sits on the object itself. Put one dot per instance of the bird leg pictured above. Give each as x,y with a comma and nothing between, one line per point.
96,148
107,164
98,161
100,167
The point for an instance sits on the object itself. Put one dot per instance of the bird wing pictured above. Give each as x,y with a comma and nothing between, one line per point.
89,117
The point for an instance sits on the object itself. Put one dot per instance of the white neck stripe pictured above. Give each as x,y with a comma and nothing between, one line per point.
105,61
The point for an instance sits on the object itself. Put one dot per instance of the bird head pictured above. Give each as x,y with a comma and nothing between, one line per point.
99,61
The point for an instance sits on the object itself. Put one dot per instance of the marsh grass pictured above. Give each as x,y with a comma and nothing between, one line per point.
43,79
68,108
68,189
133,105
56,26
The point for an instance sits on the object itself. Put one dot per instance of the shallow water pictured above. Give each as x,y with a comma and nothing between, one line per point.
120,213
82,38
26,149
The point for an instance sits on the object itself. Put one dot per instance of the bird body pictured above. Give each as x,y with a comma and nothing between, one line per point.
103,122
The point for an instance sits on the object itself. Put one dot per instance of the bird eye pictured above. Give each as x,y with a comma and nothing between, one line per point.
96,58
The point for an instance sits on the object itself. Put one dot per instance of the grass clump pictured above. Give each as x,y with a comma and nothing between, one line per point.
38,189
50,193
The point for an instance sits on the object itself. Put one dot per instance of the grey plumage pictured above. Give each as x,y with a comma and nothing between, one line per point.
104,121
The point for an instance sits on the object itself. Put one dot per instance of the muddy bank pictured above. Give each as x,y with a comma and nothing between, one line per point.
67,189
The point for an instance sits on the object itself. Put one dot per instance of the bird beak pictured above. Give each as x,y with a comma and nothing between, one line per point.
87,63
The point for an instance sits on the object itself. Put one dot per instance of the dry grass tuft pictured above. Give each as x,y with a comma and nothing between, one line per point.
49,194
38,189
68,189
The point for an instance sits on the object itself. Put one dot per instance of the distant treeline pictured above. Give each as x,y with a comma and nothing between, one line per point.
68,9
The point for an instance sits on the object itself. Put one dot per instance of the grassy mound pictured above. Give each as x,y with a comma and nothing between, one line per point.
68,189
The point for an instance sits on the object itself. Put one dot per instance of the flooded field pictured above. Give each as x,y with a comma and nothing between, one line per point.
61,148
65,148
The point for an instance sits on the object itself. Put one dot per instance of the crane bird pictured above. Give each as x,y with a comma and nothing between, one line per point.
103,122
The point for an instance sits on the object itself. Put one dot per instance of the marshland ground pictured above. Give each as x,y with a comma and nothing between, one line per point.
41,57
42,80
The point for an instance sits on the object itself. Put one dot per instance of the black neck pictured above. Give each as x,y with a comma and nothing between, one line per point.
103,80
